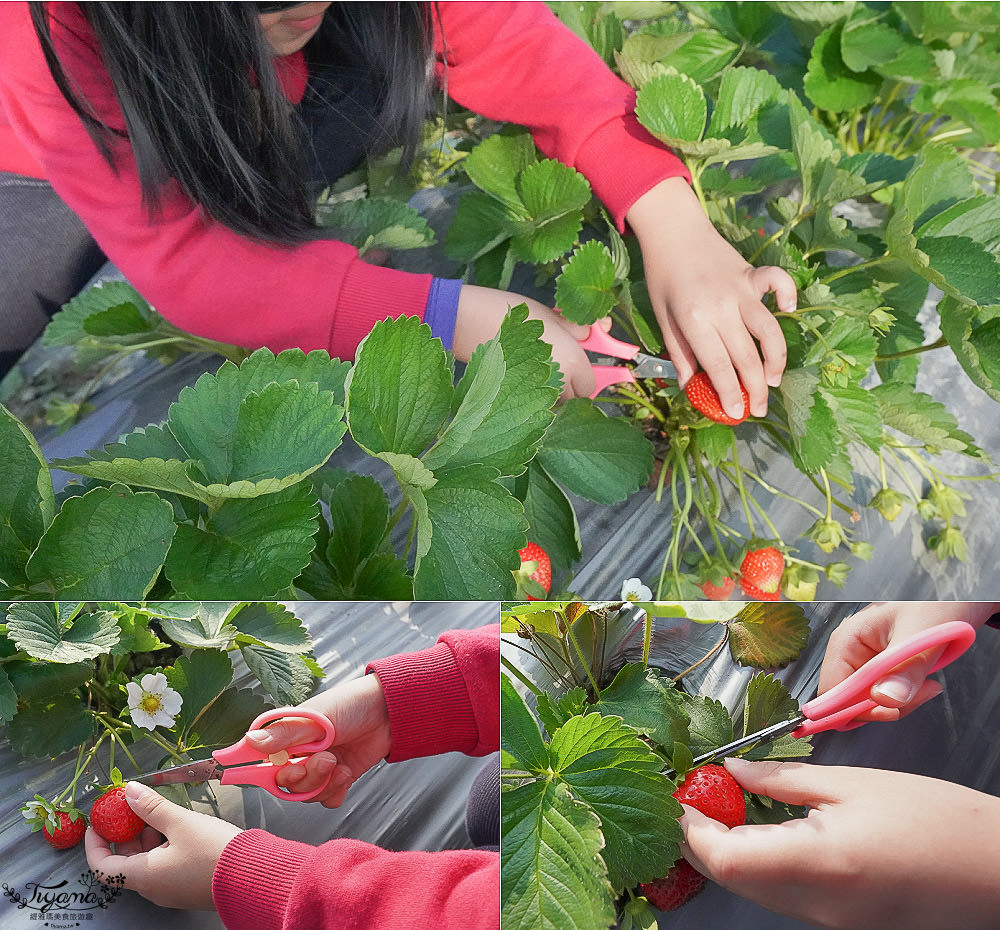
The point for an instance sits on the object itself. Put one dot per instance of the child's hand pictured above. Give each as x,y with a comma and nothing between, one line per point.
879,849
359,715
171,862
481,311
870,631
707,298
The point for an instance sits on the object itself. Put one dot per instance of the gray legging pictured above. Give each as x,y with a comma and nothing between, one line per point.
46,257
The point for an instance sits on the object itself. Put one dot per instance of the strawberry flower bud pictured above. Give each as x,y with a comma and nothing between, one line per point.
948,502
837,572
827,534
948,544
888,502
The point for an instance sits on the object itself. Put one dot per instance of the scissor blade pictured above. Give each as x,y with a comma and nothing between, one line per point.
182,774
649,366
760,736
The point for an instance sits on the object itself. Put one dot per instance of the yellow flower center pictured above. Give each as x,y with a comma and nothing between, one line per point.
150,703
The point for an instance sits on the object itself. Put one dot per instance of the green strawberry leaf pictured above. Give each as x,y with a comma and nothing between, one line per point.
107,543
109,309
552,876
831,84
43,631
250,549
359,521
225,719
551,518
495,164
8,698
768,702
768,635
27,504
376,223
34,681
199,678
285,677
208,626
469,528
647,701
710,725
601,458
400,389
48,728
673,108
974,336
273,626
503,402
918,415
585,287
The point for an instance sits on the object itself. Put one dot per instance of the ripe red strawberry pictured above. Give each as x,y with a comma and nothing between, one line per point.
542,573
68,833
705,399
681,884
113,819
760,573
716,592
713,791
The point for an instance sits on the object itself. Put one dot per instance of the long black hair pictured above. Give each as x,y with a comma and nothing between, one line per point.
203,106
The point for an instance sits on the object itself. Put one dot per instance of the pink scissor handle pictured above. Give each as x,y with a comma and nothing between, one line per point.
263,774
837,709
606,344
606,375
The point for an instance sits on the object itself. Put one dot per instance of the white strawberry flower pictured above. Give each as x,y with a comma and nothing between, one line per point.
634,590
152,703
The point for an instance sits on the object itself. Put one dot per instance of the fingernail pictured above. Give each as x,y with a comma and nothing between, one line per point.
773,380
341,779
789,308
735,765
736,410
325,764
294,771
258,736
896,688
134,790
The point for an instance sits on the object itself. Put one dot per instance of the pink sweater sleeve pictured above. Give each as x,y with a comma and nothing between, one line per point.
440,699
445,698
199,274
515,61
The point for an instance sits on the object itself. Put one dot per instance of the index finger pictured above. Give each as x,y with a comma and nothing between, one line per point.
284,733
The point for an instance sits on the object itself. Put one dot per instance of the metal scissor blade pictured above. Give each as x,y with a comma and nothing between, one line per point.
649,366
760,736
189,773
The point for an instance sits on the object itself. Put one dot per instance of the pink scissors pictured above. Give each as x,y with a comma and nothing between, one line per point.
243,764
644,366
837,709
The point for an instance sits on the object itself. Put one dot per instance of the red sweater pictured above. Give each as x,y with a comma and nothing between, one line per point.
442,699
511,61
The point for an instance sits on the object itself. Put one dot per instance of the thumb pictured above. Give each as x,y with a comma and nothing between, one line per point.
771,278
790,782
152,807
908,682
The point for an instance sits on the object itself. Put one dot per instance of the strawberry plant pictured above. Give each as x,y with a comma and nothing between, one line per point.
591,773
128,686
234,495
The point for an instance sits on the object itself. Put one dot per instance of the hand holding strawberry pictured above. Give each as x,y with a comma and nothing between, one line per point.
112,817
705,399
175,873
713,791
879,849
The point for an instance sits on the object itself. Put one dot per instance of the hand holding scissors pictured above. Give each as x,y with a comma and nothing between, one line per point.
839,707
641,365
244,764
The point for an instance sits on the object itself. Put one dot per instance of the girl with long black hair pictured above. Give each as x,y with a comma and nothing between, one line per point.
191,139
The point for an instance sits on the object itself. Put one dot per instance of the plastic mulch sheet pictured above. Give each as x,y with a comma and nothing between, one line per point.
418,804
955,737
